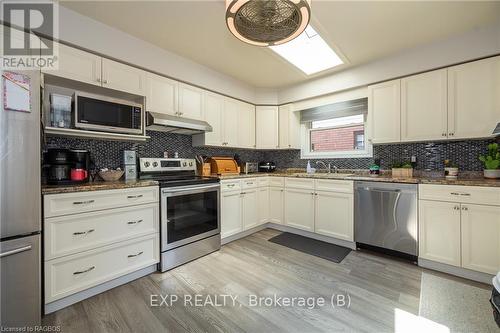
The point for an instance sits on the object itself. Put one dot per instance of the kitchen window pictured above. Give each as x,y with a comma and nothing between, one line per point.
335,131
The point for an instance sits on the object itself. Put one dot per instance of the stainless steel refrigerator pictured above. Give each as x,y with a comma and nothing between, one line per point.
20,210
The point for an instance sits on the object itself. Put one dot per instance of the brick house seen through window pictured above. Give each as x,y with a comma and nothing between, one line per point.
338,135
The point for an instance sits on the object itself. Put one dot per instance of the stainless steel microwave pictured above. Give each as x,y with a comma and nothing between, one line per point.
102,113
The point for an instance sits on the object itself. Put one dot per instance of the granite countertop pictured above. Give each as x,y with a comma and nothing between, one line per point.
472,179
96,186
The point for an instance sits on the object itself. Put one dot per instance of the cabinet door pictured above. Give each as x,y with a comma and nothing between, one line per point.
118,76
334,215
230,123
250,213
77,65
439,231
161,94
276,204
266,123
246,130
299,209
481,238
474,99
263,204
190,102
384,110
231,222
424,106
213,110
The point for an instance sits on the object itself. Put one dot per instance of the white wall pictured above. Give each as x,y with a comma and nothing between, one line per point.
468,46
90,34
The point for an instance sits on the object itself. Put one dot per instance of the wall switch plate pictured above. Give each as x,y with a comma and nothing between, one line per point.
129,157
130,172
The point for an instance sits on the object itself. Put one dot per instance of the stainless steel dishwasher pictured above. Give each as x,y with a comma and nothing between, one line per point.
385,217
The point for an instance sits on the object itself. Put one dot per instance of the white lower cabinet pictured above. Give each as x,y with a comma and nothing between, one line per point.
263,204
299,208
249,211
231,222
97,236
439,231
481,238
276,204
334,215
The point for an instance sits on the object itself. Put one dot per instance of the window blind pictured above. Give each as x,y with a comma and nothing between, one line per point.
335,110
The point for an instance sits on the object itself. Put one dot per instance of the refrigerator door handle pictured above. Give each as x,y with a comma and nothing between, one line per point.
14,251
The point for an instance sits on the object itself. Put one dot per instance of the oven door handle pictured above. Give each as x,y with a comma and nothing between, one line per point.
189,189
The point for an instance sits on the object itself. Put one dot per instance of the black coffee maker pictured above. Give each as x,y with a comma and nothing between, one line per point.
66,166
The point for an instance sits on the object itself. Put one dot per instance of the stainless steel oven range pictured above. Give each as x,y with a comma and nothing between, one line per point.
189,209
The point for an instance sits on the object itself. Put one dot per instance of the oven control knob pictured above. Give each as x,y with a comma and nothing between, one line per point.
190,163
155,164
184,164
146,164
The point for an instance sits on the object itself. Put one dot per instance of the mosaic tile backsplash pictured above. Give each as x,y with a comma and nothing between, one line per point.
430,155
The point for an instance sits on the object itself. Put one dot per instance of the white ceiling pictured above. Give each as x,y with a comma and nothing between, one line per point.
360,31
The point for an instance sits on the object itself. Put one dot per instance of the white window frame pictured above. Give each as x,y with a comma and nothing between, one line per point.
305,146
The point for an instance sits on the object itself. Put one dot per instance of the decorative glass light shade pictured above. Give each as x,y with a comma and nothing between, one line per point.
267,22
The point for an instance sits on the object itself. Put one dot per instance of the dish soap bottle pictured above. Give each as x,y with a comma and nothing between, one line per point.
309,169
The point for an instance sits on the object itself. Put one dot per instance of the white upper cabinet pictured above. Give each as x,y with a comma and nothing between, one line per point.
424,110
77,65
266,124
289,127
474,98
190,102
246,125
384,110
213,111
161,94
118,76
231,124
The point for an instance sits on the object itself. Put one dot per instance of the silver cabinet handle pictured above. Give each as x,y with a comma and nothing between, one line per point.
249,183
454,193
230,185
105,81
243,193
135,255
465,208
83,232
83,202
98,80
84,271
134,222
134,196
465,194
456,208
14,251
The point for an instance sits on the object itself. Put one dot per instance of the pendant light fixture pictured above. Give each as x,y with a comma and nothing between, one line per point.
267,22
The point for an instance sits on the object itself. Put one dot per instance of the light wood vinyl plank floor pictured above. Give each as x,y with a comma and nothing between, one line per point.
377,285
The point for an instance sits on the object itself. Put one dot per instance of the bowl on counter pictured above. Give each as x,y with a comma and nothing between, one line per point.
111,175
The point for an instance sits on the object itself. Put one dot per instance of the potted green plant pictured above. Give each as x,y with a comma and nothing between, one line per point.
450,170
402,170
491,161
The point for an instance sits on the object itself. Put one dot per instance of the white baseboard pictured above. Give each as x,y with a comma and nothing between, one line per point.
284,228
457,271
80,296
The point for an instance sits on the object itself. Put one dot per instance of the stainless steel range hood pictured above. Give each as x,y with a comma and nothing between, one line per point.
167,123
496,131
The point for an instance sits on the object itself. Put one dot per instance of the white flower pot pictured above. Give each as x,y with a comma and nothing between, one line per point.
451,173
494,174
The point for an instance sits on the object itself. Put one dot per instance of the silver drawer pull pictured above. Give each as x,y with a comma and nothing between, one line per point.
83,232
135,255
230,185
134,222
249,183
84,271
134,196
465,194
454,193
83,202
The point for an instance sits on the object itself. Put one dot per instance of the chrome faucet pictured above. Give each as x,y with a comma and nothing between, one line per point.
326,167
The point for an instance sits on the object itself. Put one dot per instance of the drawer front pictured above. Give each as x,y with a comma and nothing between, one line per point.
68,275
463,194
263,181
307,184
80,202
249,183
342,186
66,235
230,185
277,181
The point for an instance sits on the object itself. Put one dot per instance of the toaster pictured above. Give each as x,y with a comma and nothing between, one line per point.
267,166
250,167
